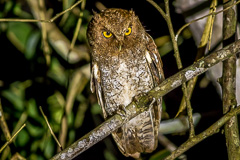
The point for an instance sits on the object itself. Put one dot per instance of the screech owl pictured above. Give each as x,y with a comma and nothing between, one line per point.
125,64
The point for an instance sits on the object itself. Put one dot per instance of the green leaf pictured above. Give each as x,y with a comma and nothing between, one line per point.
17,9
22,138
8,6
18,34
34,130
70,24
96,109
16,94
109,156
57,72
72,136
35,157
160,155
35,144
163,105
32,109
70,119
15,99
31,45
49,148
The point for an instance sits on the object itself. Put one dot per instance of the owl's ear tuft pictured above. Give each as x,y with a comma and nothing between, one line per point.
94,12
96,15
132,12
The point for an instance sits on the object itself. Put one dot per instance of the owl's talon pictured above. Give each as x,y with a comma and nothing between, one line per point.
123,113
136,98
122,110
151,99
151,104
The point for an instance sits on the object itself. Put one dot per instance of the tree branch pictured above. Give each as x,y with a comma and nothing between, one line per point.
138,106
208,132
168,20
229,82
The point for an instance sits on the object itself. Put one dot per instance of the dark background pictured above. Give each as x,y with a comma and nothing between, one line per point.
15,67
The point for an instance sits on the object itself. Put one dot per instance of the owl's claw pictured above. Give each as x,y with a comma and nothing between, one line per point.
152,99
136,98
122,110
151,104
123,113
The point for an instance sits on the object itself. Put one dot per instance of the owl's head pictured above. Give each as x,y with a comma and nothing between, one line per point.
114,29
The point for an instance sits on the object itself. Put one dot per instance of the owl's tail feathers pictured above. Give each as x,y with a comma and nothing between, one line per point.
139,134
120,147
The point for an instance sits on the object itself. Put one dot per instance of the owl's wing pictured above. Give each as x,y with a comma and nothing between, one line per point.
95,85
155,65
154,61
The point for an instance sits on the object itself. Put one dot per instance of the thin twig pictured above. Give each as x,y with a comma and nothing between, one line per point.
158,8
45,45
50,128
3,124
169,145
70,97
200,53
193,21
133,109
61,13
167,18
78,24
4,127
10,140
23,20
58,40
40,20
17,156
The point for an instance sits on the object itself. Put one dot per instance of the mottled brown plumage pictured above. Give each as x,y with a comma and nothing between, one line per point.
125,63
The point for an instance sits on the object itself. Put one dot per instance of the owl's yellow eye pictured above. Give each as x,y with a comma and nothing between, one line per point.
129,31
107,34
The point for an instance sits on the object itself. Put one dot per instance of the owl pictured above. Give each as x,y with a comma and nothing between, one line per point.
125,64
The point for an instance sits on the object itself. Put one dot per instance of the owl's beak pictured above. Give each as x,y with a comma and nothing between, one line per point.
120,48
120,40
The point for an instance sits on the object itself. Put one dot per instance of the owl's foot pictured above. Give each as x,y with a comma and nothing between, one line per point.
121,110
123,113
144,96
151,104
137,97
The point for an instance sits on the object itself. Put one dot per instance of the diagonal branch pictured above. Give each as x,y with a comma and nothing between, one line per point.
135,108
168,20
208,132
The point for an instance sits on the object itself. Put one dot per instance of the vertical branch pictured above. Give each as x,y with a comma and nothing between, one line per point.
46,48
4,125
200,53
179,64
229,83
5,129
78,24
167,18
70,97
